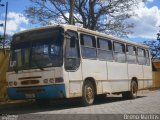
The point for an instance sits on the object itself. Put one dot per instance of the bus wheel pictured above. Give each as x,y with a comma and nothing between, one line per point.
134,90
132,94
88,93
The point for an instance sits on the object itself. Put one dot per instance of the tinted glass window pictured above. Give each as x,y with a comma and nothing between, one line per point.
147,53
88,41
105,55
104,49
88,46
104,44
89,52
130,50
131,54
118,47
141,56
119,52
72,52
141,52
148,57
38,49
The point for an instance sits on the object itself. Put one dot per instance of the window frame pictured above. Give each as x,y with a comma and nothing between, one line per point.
147,52
122,49
93,37
129,45
138,52
128,54
94,45
140,56
117,52
110,48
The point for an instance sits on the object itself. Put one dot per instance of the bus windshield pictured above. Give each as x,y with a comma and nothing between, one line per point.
37,50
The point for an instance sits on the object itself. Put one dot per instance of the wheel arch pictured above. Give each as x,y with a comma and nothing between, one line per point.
92,80
135,79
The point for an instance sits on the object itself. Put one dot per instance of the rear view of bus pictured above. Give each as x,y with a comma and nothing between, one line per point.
36,65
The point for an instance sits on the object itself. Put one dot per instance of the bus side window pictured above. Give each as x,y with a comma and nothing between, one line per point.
88,46
104,49
131,54
147,57
119,52
72,55
141,56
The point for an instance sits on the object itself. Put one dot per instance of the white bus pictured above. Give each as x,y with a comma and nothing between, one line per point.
65,61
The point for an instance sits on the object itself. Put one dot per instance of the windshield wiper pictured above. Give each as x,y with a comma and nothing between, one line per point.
40,67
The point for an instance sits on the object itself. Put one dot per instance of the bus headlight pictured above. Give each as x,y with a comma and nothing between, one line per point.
59,80
51,80
10,83
45,81
15,83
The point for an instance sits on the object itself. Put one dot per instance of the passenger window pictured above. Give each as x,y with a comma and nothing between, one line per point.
88,41
141,56
104,49
147,57
119,47
72,59
130,50
88,46
104,44
119,52
131,54
141,52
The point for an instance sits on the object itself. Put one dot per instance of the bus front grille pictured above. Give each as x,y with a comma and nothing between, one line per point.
30,82
32,77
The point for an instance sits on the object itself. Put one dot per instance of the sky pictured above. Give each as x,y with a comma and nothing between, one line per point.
146,21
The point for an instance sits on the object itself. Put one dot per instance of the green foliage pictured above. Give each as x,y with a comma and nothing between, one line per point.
108,16
154,47
5,42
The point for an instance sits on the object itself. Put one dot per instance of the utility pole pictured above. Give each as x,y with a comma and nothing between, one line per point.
71,16
5,25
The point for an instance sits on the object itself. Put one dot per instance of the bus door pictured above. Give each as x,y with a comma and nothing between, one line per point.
72,63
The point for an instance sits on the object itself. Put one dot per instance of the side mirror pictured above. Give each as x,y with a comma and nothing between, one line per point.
72,42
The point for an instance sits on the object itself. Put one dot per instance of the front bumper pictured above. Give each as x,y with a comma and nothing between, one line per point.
38,92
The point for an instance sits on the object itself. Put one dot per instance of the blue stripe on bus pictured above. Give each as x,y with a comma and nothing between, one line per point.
48,92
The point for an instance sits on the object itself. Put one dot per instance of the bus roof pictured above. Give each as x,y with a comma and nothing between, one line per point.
80,29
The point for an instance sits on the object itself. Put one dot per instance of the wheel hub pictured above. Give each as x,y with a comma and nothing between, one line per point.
89,93
134,89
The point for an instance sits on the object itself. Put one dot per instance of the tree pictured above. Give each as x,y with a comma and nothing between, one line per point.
71,17
5,43
109,16
154,47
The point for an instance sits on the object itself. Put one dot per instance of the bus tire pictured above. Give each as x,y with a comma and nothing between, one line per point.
132,94
88,93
